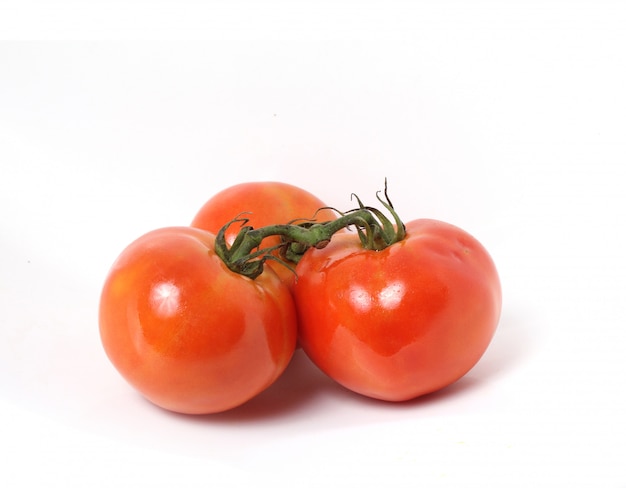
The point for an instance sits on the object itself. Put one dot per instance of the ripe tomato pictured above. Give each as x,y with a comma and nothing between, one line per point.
269,203
402,322
189,334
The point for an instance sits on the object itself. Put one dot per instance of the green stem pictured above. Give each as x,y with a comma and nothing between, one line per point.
244,256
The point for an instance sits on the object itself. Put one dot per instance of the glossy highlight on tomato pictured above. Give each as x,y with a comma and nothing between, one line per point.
402,322
186,332
263,203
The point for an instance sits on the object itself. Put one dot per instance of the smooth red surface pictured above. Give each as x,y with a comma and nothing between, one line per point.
185,331
402,322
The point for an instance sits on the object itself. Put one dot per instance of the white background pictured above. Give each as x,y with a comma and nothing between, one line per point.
507,119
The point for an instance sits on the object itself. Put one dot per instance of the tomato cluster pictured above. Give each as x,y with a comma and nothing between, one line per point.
193,336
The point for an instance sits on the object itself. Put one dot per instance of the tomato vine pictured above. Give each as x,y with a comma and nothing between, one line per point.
244,255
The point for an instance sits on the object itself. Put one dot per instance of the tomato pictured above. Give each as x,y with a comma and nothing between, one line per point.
401,322
186,332
269,203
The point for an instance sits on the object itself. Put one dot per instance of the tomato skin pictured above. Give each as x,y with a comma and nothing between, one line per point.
402,322
268,203
186,332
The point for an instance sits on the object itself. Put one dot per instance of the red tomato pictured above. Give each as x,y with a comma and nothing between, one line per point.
402,322
189,334
270,203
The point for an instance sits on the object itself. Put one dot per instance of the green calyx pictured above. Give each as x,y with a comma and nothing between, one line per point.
245,256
